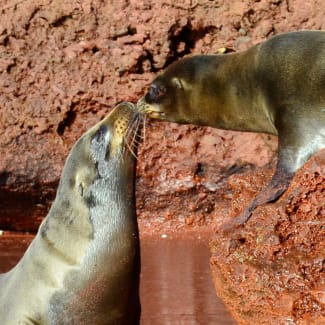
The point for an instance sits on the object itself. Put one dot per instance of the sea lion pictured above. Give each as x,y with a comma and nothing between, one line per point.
83,265
275,87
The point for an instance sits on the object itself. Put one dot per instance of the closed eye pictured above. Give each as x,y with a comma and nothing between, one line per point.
100,143
100,134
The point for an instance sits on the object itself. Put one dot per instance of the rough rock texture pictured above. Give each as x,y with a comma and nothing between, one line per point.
275,272
184,172
65,64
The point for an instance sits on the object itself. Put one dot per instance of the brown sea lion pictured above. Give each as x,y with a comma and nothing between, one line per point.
276,87
83,265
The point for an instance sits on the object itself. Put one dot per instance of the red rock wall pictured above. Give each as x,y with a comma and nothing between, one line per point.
65,64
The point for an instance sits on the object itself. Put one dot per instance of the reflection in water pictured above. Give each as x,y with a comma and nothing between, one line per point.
12,250
176,285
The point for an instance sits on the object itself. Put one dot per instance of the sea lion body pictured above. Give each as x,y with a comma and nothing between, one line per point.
275,87
83,265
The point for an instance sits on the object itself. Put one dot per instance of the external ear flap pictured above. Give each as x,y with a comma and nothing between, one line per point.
178,83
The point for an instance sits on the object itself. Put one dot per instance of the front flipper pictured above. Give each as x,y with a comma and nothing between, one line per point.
297,143
270,193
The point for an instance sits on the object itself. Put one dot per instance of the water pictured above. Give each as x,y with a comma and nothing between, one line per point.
176,286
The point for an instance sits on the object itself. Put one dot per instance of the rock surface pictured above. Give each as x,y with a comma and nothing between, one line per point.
65,64
275,272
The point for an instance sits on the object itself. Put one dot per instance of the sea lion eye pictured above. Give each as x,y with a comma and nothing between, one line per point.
100,143
100,134
157,91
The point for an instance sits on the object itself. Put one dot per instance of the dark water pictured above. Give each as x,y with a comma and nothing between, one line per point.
176,285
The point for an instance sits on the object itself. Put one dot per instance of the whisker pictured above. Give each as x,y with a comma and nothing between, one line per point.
136,136
140,136
131,150
134,141
144,121
130,146
132,137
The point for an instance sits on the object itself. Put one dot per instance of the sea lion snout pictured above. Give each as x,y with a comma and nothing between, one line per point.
118,120
113,131
152,110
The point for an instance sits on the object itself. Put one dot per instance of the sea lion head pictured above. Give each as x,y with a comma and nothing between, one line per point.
176,94
106,151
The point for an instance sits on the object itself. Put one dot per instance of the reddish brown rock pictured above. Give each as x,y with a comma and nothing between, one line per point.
275,272
63,65
185,173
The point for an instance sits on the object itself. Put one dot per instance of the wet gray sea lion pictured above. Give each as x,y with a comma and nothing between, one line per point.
83,265
276,87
